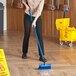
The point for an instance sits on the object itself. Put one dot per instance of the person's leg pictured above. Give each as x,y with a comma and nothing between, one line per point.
27,29
39,33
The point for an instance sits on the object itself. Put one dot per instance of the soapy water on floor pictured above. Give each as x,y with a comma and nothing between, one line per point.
45,72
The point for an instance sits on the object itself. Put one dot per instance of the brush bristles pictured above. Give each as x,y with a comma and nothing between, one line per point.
44,66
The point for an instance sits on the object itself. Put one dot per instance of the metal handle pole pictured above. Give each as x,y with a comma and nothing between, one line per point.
11,3
68,4
52,3
20,3
58,4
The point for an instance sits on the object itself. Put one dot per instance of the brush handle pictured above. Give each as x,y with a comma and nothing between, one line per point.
64,12
36,35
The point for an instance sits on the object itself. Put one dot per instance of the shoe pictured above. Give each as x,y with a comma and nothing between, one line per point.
24,56
43,60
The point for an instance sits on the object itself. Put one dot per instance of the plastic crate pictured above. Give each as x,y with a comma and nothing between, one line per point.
62,23
68,34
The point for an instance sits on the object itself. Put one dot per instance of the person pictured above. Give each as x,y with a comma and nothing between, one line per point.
36,7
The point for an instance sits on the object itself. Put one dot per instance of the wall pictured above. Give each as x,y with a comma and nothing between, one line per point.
5,14
15,17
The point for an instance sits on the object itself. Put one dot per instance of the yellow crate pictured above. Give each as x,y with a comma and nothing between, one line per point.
62,23
68,34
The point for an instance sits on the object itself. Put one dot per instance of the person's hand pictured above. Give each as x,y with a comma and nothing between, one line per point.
27,8
34,23
22,1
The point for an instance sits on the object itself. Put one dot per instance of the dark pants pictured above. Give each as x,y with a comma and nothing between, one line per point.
27,28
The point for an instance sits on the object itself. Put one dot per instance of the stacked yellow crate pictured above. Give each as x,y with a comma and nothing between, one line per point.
67,34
